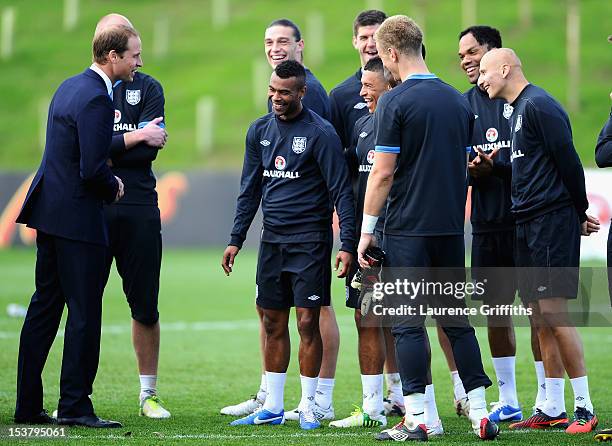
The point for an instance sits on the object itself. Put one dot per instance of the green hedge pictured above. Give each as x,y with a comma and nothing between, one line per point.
203,60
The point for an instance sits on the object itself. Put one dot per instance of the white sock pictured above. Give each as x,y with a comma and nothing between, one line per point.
555,399
309,388
541,376
505,368
431,410
325,392
478,406
261,393
148,385
394,386
275,393
457,385
372,386
582,398
415,410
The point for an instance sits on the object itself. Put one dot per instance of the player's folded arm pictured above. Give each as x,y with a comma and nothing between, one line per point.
141,154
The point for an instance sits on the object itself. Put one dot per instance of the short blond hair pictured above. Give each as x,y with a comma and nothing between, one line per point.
401,33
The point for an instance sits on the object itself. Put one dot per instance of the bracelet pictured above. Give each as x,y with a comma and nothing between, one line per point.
369,223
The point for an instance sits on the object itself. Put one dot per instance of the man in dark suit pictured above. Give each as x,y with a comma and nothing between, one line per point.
64,204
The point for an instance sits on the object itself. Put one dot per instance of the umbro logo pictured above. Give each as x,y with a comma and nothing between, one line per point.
500,383
541,289
475,116
579,398
314,297
264,143
363,134
519,123
360,105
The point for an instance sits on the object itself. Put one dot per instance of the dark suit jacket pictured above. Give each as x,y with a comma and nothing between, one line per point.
67,193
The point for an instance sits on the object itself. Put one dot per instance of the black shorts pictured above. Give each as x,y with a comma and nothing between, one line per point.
494,253
424,252
351,294
547,254
136,246
293,274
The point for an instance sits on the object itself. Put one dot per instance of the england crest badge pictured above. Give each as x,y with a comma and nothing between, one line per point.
508,109
299,144
132,96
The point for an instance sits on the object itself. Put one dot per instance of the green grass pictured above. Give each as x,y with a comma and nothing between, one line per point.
203,60
213,360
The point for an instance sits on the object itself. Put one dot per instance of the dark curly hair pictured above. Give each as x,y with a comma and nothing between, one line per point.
291,68
484,35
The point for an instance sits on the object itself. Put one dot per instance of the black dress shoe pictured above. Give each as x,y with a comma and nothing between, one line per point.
41,418
89,421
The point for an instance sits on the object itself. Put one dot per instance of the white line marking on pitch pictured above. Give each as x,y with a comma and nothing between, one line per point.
278,435
166,327
179,326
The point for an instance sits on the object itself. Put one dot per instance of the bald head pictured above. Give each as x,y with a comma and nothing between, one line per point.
501,56
501,74
112,20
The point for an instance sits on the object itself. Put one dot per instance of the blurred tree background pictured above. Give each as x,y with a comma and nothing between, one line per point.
208,55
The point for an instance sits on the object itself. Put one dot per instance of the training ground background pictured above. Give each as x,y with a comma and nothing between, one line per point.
210,358
209,350
196,50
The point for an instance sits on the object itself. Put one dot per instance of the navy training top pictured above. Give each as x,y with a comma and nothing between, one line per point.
293,168
429,125
136,104
491,195
347,107
360,159
546,170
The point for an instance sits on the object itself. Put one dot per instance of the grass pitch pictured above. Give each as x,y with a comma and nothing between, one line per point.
210,358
